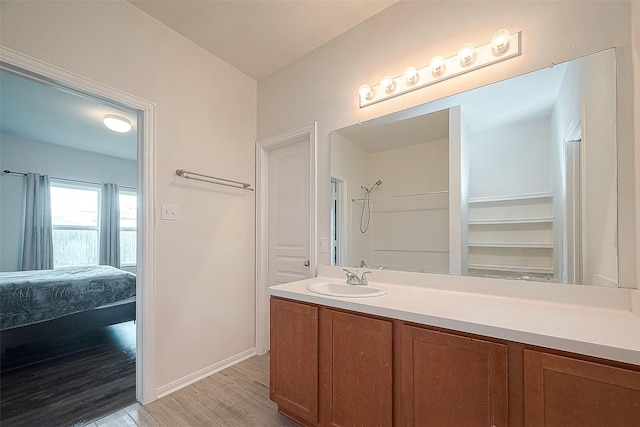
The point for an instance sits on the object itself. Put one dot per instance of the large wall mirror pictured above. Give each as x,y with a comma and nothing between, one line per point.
512,180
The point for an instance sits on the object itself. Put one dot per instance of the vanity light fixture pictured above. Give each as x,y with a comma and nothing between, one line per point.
411,76
467,54
503,45
117,123
365,92
437,65
387,84
500,41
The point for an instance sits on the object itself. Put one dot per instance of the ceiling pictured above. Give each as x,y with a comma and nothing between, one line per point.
258,37
41,112
255,37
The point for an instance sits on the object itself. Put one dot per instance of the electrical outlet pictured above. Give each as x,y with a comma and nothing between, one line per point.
169,212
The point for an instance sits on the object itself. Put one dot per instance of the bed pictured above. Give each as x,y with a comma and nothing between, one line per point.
44,303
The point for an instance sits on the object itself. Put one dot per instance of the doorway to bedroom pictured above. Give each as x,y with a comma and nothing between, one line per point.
69,215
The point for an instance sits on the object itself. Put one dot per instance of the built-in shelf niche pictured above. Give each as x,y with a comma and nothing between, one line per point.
511,236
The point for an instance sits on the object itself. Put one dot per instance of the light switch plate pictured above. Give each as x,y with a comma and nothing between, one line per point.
169,212
324,244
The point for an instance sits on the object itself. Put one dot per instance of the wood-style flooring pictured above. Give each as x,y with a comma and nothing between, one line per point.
234,397
68,381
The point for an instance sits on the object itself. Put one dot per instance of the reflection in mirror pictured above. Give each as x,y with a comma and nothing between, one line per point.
513,180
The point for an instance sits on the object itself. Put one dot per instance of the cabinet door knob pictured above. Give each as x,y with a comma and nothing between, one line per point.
307,263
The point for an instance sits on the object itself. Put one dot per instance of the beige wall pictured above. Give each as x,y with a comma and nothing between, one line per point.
206,122
322,86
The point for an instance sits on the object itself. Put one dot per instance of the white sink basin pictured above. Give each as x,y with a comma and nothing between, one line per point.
344,290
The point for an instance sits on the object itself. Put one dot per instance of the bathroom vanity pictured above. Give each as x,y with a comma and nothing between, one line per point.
436,352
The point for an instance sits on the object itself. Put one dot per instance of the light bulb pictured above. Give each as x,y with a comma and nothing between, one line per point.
437,65
466,54
365,92
387,84
411,76
500,41
117,123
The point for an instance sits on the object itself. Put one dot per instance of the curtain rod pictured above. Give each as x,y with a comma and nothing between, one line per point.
207,178
8,172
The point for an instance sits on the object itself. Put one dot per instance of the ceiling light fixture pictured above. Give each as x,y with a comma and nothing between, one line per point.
503,45
117,123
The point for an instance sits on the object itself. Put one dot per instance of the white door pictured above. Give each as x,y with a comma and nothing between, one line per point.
288,223
286,217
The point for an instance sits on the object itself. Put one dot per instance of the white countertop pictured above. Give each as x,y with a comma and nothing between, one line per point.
602,329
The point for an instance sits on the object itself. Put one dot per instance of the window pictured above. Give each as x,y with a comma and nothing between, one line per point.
74,217
128,209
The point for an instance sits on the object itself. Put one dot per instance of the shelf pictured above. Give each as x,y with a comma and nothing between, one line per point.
534,245
519,268
510,198
502,221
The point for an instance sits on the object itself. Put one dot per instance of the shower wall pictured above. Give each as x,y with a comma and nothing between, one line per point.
411,233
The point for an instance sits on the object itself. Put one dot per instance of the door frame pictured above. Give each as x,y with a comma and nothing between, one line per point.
50,74
342,216
571,267
306,133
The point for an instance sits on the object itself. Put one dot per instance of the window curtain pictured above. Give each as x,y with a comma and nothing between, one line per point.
110,226
37,248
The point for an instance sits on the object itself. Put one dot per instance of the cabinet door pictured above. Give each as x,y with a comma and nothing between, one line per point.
562,391
293,383
450,380
356,360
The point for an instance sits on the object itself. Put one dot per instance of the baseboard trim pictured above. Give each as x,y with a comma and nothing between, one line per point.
203,373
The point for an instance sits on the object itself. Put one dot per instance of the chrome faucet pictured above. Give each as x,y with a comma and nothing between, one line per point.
363,279
352,278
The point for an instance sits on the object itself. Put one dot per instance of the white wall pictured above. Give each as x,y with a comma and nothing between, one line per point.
350,163
206,122
586,86
409,33
410,234
511,160
18,154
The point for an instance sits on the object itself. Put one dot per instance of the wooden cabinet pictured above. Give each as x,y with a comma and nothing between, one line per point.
356,361
565,391
451,380
335,368
293,382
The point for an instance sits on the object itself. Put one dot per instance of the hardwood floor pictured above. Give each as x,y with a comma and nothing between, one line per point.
234,397
70,381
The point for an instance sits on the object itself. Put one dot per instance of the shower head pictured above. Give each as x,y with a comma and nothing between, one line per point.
378,182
